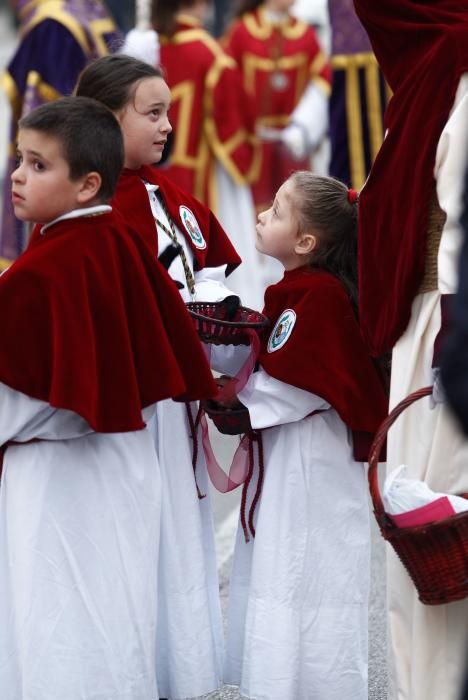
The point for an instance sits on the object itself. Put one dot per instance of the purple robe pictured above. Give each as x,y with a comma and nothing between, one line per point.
57,41
358,97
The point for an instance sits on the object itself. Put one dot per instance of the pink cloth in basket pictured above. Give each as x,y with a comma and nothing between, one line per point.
435,510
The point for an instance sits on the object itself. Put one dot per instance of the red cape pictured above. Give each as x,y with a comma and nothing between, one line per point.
90,323
325,353
422,48
131,199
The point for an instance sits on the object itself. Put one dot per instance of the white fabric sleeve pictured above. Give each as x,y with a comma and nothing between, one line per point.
23,418
272,402
142,44
451,161
310,118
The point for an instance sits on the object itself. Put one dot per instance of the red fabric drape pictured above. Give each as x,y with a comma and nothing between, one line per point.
91,323
422,48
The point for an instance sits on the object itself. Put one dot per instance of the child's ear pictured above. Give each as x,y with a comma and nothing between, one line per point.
89,188
305,244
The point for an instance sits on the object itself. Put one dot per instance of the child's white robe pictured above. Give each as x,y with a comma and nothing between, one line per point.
79,537
297,627
190,644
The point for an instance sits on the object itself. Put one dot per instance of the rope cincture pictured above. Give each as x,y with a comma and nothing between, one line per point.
254,436
193,433
189,278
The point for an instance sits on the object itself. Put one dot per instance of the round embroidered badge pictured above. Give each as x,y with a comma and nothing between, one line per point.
191,225
282,330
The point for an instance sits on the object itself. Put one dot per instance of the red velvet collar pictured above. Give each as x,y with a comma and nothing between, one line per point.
324,352
92,324
205,236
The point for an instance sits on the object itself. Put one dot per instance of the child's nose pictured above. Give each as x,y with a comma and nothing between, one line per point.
17,175
167,126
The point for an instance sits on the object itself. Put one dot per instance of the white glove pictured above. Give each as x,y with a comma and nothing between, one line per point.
142,44
295,140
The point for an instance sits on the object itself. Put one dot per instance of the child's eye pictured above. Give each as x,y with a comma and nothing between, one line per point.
38,166
155,112
18,160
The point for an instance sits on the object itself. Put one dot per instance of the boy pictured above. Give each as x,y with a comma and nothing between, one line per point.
85,353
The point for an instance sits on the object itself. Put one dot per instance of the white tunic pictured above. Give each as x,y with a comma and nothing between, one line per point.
297,625
79,534
428,644
190,645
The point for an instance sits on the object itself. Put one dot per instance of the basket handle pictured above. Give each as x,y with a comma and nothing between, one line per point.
376,448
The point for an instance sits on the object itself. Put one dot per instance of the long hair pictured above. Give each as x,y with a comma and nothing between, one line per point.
322,206
113,80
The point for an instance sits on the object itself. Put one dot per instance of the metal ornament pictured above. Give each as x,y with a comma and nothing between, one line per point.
279,81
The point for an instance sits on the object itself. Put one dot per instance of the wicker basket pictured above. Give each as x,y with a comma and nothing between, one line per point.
435,555
227,420
215,324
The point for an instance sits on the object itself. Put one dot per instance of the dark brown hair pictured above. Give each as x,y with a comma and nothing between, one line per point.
247,6
113,79
322,207
164,12
89,136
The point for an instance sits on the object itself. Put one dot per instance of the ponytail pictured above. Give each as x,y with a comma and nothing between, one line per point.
325,205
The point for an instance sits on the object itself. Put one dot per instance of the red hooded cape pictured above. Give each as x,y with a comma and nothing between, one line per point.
325,353
131,199
422,48
90,323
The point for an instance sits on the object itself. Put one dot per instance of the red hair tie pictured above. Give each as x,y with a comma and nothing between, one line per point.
352,196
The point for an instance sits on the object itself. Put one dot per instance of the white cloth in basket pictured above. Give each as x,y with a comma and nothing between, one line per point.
416,501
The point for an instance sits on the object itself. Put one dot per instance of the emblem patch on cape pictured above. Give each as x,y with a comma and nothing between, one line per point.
191,226
282,330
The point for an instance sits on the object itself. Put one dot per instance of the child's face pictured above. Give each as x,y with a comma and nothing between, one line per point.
277,228
41,188
145,124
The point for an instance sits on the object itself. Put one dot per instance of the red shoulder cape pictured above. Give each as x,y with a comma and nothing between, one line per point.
91,324
131,199
324,353
422,48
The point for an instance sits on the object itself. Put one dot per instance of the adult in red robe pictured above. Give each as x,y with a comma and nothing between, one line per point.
279,57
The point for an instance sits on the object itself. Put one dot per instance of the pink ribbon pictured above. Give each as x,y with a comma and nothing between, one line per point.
239,468
240,462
